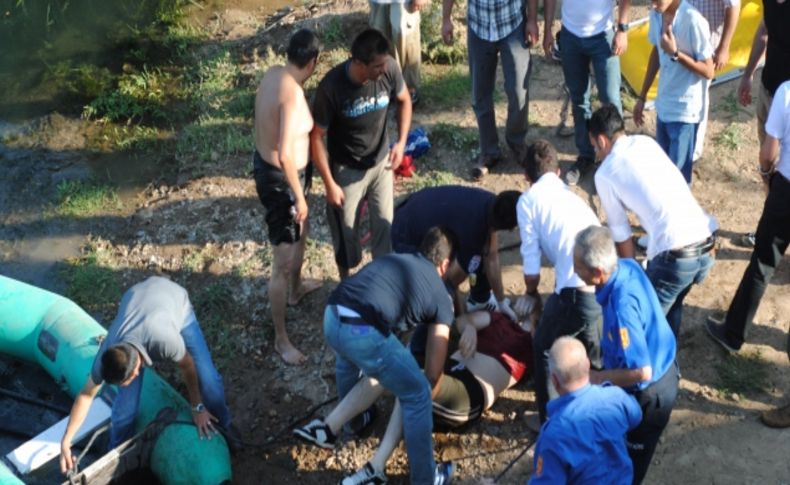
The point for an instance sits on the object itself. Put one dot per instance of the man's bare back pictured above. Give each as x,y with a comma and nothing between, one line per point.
280,105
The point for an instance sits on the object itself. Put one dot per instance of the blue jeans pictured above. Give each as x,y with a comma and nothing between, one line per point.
516,68
677,140
672,278
577,55
362,347
124,407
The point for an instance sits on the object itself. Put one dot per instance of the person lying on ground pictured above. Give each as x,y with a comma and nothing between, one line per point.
494,354
282,178
155,323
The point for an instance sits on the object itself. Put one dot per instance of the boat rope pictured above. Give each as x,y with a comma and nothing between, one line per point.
75,470
513,461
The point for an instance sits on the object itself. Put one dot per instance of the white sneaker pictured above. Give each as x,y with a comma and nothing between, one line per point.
365,476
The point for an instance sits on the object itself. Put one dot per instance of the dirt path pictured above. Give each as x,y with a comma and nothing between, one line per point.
208,234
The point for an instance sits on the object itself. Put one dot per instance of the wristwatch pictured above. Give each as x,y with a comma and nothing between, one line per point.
622,27
199,408
675,56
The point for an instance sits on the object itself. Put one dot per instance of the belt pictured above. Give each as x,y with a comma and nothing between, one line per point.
694,250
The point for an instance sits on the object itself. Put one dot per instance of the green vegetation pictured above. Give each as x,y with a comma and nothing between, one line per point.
434,49
453,137
83,81
446,87
85,198
743,373
729,138
214,308
730,106
91,281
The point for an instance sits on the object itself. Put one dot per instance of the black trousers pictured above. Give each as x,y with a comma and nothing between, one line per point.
656,401
573,313
771,240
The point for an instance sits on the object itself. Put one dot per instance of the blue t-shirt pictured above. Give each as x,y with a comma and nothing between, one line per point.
636,333
396,290
680,91
583,440
463,210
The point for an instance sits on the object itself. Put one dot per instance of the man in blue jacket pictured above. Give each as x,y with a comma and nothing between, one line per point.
584,439
638,346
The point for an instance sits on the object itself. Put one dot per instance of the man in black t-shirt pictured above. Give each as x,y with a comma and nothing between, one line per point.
350,108
474,215
771,40
390,292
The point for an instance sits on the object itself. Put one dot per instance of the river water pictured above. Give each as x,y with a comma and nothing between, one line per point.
38,37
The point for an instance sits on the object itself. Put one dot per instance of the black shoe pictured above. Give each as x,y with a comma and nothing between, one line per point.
318,433
577,171
717,332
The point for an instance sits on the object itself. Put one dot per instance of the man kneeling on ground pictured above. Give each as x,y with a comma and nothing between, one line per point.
360,318
494,354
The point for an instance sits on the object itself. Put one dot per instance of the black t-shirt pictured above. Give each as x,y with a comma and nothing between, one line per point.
396,289
464,210
777,55
355,116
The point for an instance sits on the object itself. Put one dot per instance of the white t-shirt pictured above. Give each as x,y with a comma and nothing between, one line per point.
638,176
778,126
585,18
549,217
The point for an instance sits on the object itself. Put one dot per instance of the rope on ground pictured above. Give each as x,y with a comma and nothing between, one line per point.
274,439
513,461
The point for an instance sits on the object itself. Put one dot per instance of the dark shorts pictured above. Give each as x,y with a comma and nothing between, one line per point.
277,198
460,398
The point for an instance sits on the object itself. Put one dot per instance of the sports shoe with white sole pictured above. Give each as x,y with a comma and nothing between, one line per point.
318,433
366,475
444,473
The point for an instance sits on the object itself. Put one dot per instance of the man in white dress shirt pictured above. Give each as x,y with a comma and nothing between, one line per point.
636,175
549,217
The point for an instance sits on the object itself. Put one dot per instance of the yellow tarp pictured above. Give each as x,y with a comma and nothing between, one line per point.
633,63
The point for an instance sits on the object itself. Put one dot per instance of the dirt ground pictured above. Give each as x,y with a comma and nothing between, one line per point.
210,228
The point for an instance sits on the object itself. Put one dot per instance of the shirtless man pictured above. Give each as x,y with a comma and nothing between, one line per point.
282,178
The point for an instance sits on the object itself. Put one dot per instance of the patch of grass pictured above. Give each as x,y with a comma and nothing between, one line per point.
729,105
246,268
84,81
333,31
215,310
420,181
453,137
91,281
211,140
729,138
195,261
444,87
139,96
743,373
76,198
128,137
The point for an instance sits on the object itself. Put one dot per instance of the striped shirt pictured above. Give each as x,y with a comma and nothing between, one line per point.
715,11
493,20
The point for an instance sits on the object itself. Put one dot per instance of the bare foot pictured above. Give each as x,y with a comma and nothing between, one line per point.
289,353
308,286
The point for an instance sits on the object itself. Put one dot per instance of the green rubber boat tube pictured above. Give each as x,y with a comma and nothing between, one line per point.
54,332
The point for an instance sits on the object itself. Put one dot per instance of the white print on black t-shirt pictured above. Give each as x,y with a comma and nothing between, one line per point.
360,106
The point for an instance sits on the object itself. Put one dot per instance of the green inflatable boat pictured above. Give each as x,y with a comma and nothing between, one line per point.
54,332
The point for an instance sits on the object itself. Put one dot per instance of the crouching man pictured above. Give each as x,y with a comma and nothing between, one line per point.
155,323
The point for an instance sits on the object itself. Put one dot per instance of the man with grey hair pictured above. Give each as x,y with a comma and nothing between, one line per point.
638,347
584,439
